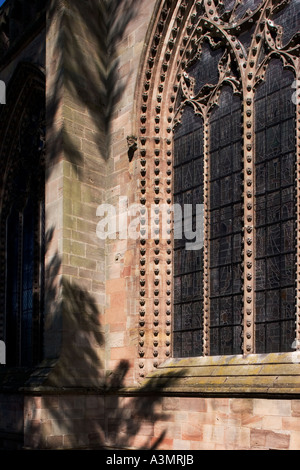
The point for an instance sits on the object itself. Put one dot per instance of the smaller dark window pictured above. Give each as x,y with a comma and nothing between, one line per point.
24,283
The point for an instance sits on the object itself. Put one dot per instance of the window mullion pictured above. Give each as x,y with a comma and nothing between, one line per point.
297,119
249,214
206,245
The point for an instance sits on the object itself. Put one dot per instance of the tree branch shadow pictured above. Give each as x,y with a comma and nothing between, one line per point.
87,68
95,411
82,405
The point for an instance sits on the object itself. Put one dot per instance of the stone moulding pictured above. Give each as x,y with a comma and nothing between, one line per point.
254,374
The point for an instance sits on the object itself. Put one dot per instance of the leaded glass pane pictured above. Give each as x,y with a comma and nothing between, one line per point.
289,19
188,264
275,211
205,70
12,285
226,214
239,8
27,284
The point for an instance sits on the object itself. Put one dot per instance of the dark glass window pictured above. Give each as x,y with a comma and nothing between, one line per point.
205,70
27,283
12,286
289,19
275,211
188,264
226,215
238,101
24,248
24,271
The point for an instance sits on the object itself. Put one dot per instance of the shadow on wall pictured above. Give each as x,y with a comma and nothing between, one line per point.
90,409
86,66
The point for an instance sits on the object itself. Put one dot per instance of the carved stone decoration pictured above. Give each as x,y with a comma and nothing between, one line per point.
248,36
132,146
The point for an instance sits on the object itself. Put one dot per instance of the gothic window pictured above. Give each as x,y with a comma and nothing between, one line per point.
24,264
22,233
24,272
235,154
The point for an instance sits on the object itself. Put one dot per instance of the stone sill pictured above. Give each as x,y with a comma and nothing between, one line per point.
255,375
252,375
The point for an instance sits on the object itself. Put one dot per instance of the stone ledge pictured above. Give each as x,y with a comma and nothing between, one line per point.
14,379
270,375
256,374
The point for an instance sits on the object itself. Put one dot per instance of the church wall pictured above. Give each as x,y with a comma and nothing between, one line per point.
169,423
90,279
122,283
76,180
92,285
11,421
